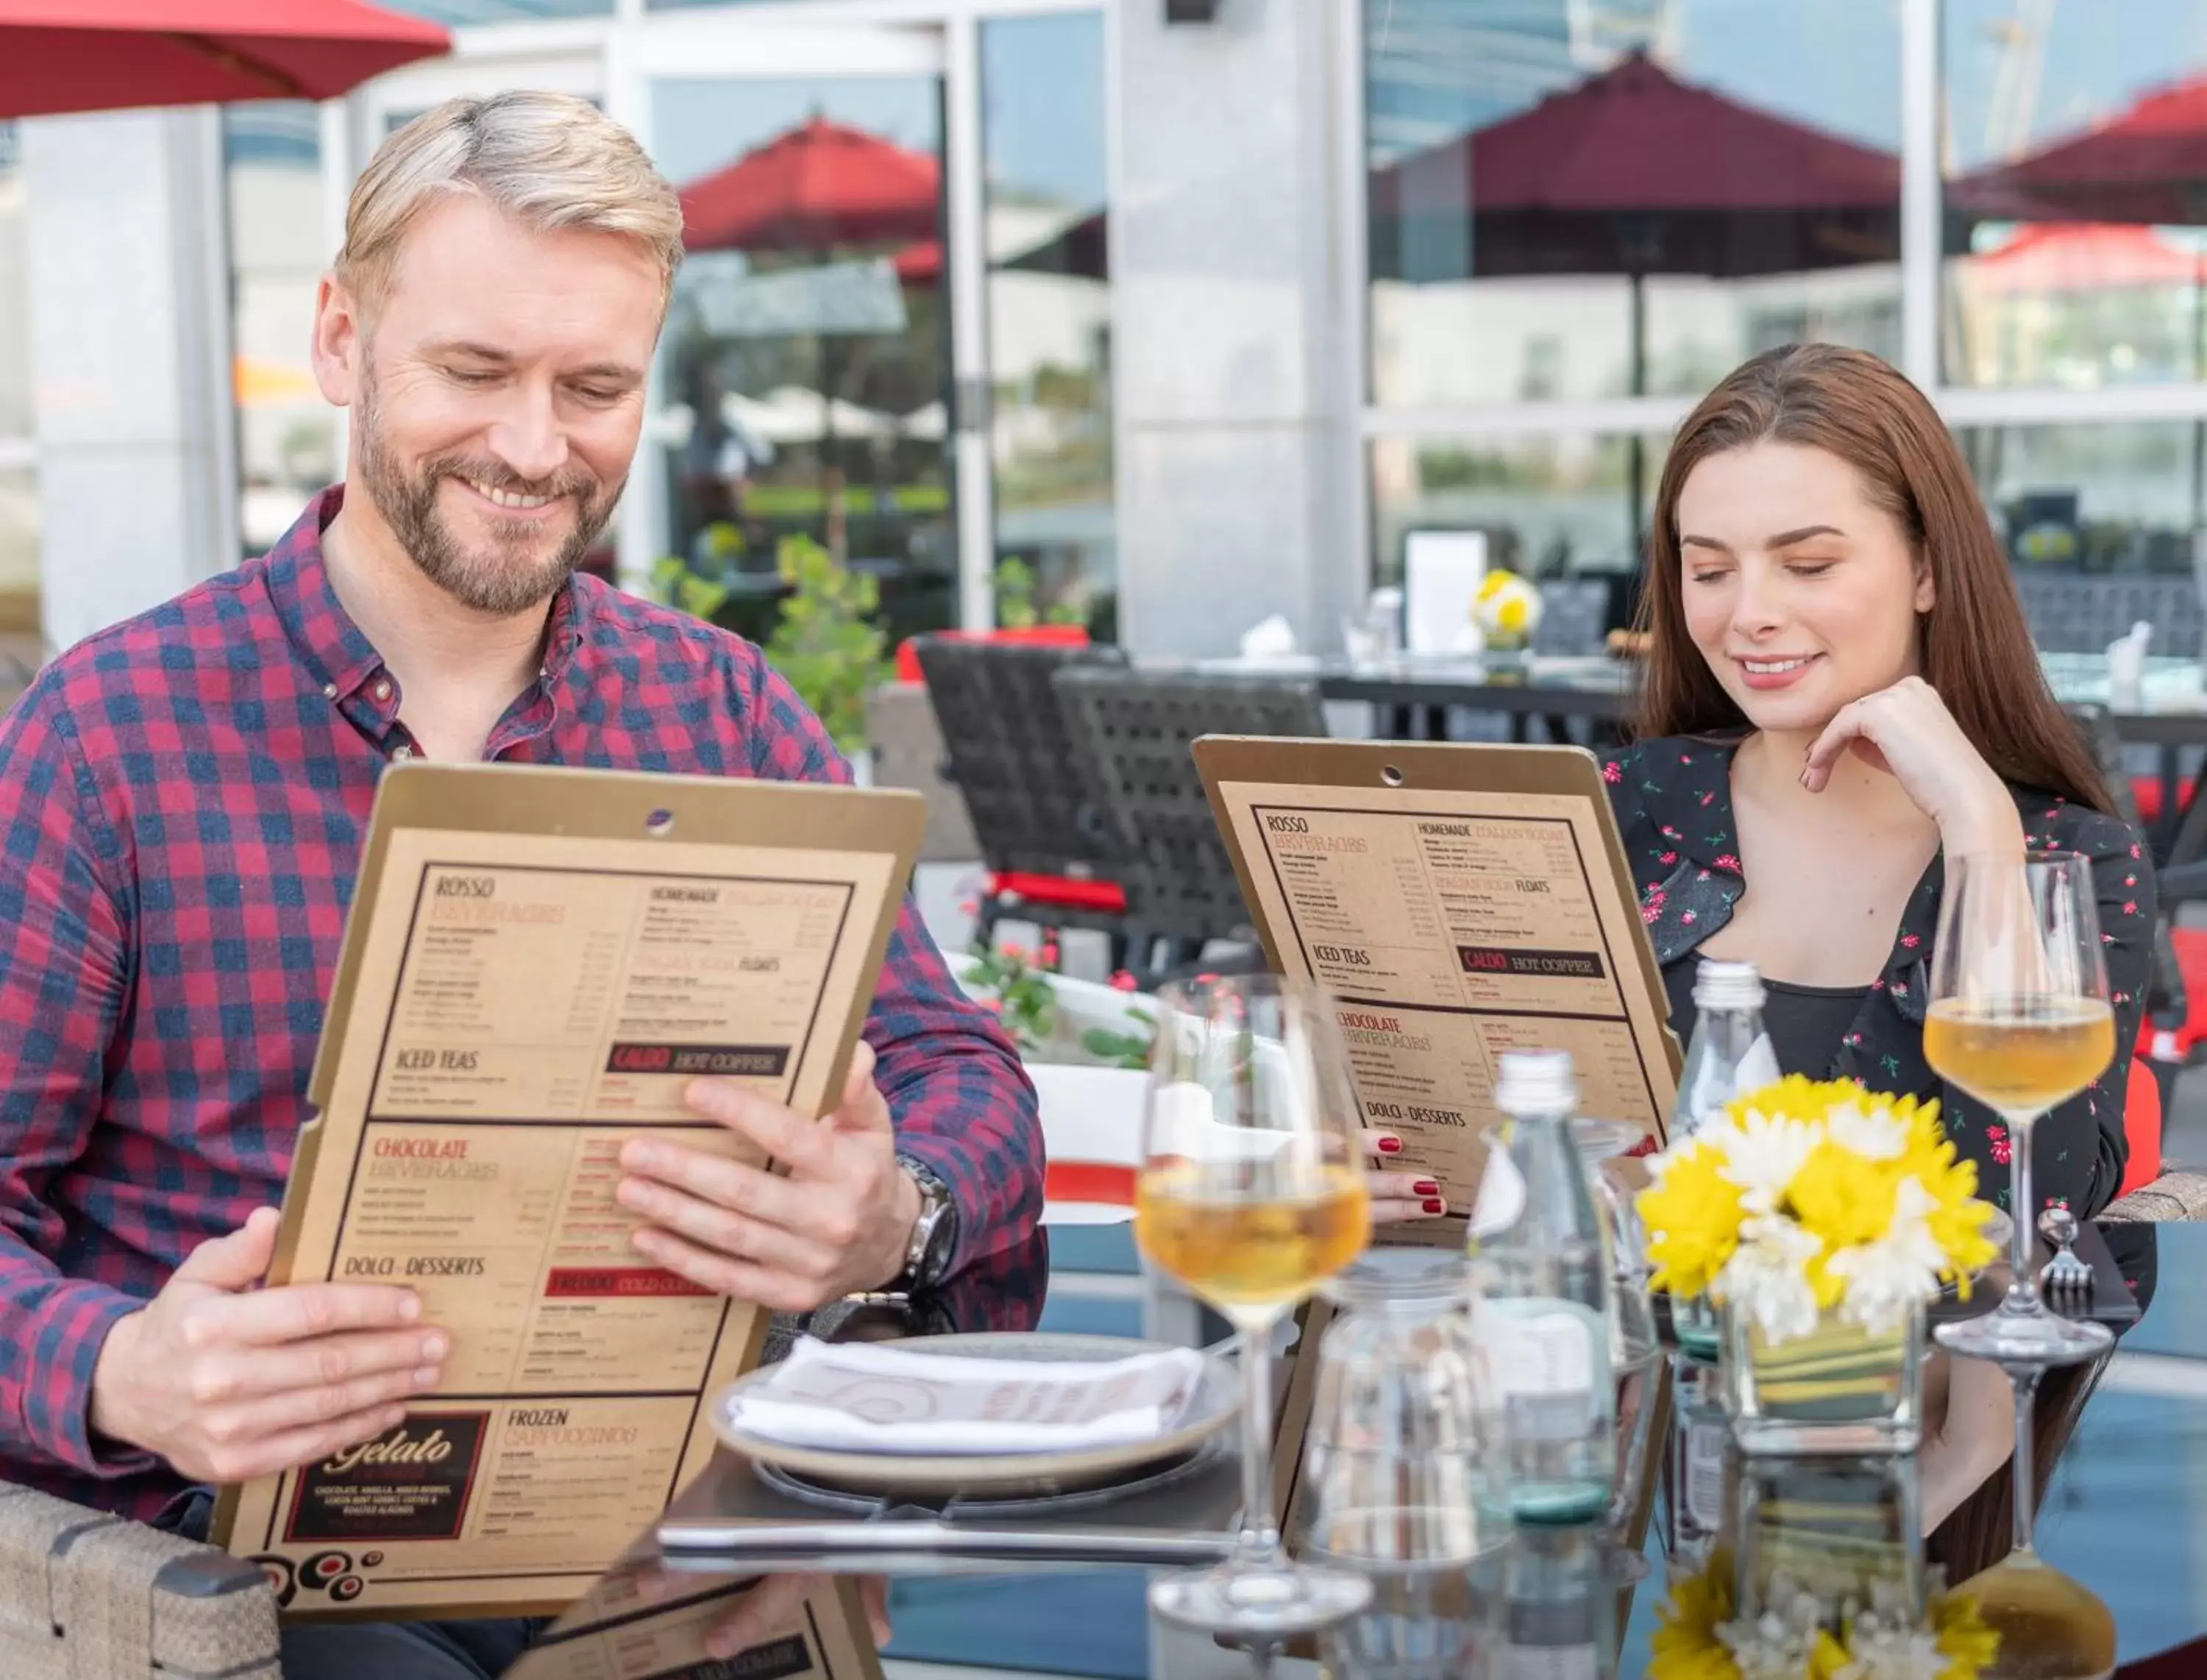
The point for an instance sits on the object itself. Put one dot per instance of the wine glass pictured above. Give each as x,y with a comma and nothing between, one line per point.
2020,1020
1251,1194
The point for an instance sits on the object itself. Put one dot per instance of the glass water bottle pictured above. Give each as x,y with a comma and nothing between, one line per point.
1544,1310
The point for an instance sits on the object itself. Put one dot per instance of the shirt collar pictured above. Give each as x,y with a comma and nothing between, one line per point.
338,653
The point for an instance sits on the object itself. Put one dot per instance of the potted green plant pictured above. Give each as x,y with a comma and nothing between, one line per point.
828,642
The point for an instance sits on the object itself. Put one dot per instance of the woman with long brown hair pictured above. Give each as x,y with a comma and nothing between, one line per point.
1841,691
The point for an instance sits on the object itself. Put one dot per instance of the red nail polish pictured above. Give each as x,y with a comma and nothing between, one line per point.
1434,1205
1425,1187
1388,1145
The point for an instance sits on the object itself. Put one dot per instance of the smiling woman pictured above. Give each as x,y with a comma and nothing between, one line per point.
1841,692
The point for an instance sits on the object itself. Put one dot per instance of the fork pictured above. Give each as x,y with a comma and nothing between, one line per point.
2064,1275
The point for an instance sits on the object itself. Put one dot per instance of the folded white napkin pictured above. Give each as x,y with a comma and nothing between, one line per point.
1270,638
2126,665
863,1397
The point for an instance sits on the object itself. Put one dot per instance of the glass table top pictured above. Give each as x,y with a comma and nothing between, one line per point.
2126,1515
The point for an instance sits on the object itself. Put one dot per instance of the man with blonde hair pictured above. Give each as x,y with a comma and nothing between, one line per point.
181,803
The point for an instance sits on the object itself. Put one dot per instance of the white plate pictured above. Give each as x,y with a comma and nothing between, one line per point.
1008,1475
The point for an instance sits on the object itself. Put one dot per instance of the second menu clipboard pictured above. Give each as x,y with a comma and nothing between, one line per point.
1459,901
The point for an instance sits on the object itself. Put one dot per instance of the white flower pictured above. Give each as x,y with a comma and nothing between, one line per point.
1761,1155
1875,1133
1885,1277
1775,1645
1767,1277
1883,1651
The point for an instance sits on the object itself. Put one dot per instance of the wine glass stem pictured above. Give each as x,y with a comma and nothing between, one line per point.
1259,1542
2023,1472
2022,1285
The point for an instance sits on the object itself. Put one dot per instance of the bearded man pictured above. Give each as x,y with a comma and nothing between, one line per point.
182,799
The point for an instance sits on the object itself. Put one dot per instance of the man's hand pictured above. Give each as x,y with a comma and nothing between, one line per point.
228,1382
837,1223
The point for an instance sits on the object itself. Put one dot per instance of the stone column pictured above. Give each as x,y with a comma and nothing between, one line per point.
1233,431
128,287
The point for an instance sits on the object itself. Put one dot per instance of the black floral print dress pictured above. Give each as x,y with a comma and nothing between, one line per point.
1672,798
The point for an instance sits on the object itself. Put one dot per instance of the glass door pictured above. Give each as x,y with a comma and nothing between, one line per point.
807,385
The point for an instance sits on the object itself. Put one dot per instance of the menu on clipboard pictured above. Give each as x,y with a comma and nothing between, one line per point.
1458,902
537,963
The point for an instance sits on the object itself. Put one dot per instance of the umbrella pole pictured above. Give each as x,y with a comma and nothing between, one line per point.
1635,453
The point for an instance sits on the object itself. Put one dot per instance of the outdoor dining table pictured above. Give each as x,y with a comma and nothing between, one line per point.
2126,1515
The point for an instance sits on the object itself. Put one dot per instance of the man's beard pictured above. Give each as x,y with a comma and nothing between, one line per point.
497,578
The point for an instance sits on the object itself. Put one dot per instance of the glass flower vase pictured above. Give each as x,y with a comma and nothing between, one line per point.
1839,1389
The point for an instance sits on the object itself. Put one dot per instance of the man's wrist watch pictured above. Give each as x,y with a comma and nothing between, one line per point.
934,1233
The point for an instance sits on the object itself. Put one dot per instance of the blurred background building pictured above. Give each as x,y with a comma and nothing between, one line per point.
1195,310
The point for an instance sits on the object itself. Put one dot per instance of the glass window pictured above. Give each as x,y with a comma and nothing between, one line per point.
806,367
1049,319
286,433
2076,224
2094,497
1571,202
1574,503
16,414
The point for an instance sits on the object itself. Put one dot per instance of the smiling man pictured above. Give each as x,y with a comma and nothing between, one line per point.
182,804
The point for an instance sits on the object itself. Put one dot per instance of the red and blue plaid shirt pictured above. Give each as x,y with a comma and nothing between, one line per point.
181,803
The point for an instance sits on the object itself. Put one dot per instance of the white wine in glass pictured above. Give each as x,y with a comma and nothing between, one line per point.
2020,1020
1251,1193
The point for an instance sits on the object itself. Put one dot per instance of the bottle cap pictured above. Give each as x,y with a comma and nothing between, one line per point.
1535,1082
1728,985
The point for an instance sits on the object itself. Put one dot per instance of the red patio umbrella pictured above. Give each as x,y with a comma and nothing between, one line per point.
58,56
821,184
2148,163
2085,257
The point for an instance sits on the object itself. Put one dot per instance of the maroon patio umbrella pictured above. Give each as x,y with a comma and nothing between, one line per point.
1634,172
58,56
819,185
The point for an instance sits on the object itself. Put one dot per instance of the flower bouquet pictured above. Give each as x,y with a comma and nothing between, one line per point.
1507,610
1822,1219
1802,1630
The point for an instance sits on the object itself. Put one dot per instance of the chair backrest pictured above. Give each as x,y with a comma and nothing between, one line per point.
1134,730
2069,614
1004,736
906,744
1574,616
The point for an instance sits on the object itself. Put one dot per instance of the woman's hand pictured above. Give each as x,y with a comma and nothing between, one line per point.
1907,732
1397,1195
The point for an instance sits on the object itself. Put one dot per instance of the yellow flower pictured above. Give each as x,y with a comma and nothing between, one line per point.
1829,1659
1957,1219
1684,1646
1842,1196
1968,1645
1493,581
1692,1213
